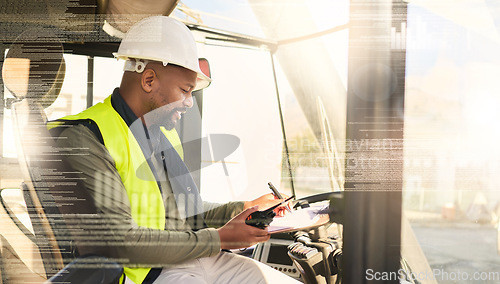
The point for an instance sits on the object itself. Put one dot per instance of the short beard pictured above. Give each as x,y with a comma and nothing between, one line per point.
160,116
168,122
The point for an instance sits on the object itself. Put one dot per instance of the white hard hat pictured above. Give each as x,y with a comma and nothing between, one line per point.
163,39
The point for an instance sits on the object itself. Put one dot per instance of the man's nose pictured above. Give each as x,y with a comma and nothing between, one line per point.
188,101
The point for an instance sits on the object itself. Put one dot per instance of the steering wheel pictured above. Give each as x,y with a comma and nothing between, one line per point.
304,201
336,207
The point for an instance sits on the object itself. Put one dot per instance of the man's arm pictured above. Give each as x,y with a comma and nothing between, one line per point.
130,242
217,214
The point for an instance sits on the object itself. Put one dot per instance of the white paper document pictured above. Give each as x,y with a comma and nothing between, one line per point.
310,217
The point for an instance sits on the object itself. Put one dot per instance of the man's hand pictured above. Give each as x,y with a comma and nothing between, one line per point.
268,200
237,234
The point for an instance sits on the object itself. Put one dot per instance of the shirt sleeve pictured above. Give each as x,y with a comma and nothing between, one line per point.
126,241
216,214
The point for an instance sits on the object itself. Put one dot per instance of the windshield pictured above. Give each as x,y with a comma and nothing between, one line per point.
278,104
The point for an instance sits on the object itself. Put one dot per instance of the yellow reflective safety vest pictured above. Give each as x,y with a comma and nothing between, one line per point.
144,195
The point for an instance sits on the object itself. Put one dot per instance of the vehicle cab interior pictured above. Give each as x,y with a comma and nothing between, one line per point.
304,99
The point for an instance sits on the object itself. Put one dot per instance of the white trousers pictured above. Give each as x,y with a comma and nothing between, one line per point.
223,268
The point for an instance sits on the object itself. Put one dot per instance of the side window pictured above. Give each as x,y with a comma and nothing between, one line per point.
107,76
73,97
314,115
241,102
74,90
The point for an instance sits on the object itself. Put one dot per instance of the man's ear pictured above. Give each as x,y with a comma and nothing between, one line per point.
148,78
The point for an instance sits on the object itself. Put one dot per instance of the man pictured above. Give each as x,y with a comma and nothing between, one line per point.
127,151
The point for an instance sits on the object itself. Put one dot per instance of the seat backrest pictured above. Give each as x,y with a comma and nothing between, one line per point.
58,203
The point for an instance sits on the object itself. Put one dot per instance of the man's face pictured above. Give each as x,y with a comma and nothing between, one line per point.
171,97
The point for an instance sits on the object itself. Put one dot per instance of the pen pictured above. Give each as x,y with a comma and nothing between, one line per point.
277,194
275,191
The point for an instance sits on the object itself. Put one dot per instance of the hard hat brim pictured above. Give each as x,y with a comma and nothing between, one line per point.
202,81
